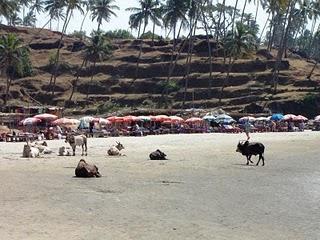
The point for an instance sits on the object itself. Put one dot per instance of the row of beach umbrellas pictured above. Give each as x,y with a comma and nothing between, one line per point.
222,118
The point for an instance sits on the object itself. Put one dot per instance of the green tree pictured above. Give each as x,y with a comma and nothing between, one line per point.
13,59
102,10
241,42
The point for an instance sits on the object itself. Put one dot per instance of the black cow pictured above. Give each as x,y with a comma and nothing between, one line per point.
85,170
248,149
157,155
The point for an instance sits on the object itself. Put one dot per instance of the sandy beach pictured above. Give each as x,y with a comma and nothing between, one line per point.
204,190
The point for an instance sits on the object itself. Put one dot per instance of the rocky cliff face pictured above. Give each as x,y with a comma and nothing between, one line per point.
115,84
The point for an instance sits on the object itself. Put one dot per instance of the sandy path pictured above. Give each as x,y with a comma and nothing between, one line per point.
203,192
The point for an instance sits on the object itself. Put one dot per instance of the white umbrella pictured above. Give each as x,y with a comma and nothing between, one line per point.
30,121
224,118
46,117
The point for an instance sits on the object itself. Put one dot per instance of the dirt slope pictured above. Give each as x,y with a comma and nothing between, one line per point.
113,86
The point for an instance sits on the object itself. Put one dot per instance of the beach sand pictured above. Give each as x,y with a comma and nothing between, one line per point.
204,190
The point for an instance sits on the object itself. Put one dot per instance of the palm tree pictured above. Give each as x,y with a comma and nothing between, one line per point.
7,7
241,41
175,11
14,19
29,19
71,6
11,55
97,51
102,10
148,10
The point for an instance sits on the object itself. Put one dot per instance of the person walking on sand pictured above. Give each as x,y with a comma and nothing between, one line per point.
247,129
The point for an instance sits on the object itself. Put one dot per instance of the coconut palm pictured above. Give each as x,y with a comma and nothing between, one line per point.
241,42
7,7
175,11
147,10
98,50
29,20
11,55
71,6
14,19
102,10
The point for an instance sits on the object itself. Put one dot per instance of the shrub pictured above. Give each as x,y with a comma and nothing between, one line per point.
149,34
119,34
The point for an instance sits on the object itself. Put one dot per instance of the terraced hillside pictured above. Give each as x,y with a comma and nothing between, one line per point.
115,85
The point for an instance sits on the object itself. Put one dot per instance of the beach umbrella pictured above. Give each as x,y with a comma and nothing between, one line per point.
176,119
288,117
224,118
101,121
276,117
317,118
248,118
66,121
86,119
115,119
160,118
300,118
194,120
30,121
262,119
46,117
145,118
4,130
209,118
131,119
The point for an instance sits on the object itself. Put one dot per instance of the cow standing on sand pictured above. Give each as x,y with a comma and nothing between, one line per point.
74,141
248,149
115,150
85,170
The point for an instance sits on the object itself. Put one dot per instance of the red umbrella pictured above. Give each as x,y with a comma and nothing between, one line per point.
194,120
131,119
300,118
176,119
30,121
46,117
115,119
160,118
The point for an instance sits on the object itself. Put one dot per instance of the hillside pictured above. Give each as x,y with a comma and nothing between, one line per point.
114,85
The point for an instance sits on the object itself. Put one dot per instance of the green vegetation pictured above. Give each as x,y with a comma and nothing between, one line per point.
119,34
14,59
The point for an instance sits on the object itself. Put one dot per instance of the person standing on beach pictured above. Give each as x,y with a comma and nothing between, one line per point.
247,129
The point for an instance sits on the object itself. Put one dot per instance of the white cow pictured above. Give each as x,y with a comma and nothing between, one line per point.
114,150
30,152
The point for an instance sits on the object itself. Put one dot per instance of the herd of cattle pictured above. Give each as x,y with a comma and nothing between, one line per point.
84,169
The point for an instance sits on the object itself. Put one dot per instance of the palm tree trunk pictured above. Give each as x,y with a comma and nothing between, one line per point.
140,53
217,29
189,59
153,30
243,10
312,70
75,82
7,90
284,38
264,28
83,20
49,21
210,53
56,66
179,31
99,25
91,79
257,10
139,29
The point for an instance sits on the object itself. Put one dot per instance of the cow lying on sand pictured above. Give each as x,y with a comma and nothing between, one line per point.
85,170
248,149
33,150
158,155
115,150
80,140
30,151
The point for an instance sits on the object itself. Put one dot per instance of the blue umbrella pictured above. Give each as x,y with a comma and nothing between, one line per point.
276,117
224,119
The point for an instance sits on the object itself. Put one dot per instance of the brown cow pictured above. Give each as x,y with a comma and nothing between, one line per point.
85,170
